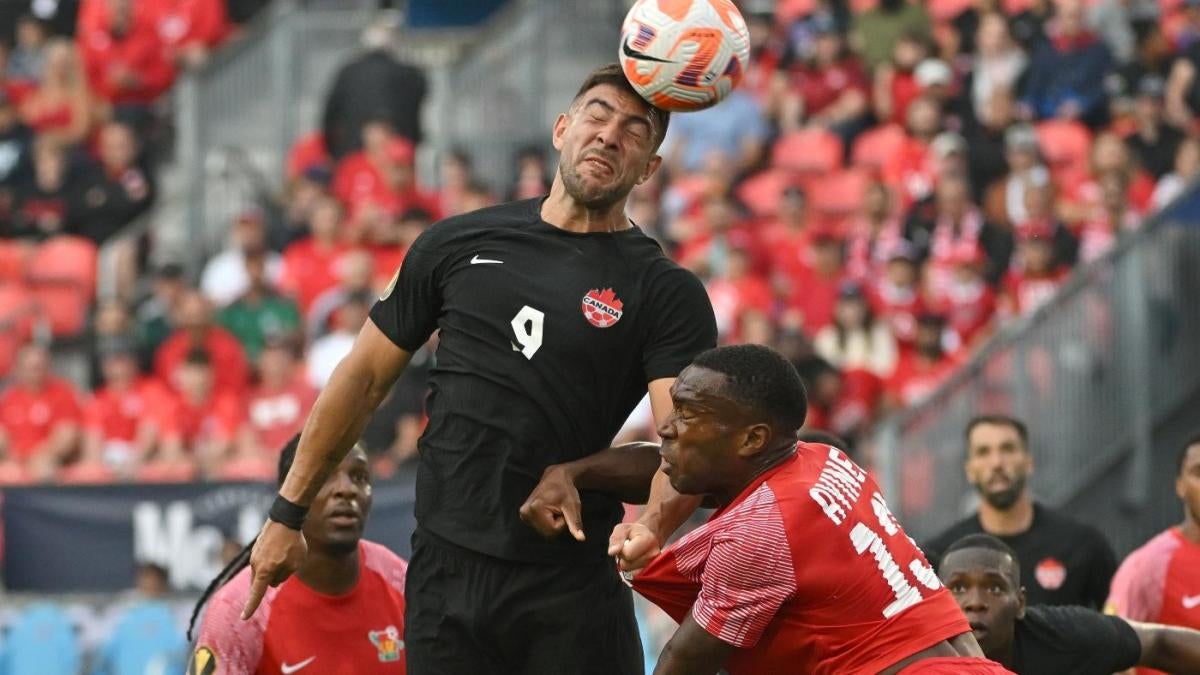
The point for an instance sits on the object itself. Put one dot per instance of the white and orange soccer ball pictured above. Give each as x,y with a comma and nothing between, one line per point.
684,55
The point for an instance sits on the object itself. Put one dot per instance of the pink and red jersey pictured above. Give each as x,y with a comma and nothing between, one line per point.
297,630
1159,583
806,572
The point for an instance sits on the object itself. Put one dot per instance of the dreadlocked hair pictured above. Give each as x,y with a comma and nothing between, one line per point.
242,559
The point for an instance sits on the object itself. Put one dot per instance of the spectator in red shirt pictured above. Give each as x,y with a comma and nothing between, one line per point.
1036,276
922,369
191,29
720,229
895,84
60,108
912,171
872,233
967,300
1112,221
201,421
115,189
310,265
951,225
124,57
786,237
278,406
814,285
197,330
896,295
121,421
1080,194
830,89
380,178
39,415
736,292
356,271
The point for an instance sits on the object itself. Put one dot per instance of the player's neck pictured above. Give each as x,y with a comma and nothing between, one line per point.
1190,529
770,460
563,212
1014,520
329,574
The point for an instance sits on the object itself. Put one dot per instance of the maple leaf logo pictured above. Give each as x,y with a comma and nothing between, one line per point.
608,297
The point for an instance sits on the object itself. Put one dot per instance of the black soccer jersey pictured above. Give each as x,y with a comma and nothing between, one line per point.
1073,641
548,339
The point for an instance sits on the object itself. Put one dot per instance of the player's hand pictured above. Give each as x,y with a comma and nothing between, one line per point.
633,545
554,504
278,552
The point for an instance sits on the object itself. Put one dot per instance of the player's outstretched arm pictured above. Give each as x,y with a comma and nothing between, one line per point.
692,651
1169,648
623,470
356,388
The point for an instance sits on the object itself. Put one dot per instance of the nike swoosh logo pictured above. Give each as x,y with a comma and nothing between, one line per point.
485,261
640,56
289,669
1191,601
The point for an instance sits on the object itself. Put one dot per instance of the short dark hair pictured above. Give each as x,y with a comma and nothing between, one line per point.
985,541
612,75
1002,420
1183,451
763,380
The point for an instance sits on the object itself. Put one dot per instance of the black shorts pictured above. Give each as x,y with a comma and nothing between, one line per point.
470,614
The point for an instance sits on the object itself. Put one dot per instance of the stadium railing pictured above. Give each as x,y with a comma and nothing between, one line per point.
1094,373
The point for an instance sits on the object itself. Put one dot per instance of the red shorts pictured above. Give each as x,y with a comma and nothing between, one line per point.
955,665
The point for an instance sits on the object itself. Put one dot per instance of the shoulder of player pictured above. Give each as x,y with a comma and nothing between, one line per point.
382,561
1068,624
1158,550
222,614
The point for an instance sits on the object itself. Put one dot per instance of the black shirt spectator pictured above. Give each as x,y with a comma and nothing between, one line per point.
41,207
1153,142
115,190
1063,562
16,163
375,86
1073,641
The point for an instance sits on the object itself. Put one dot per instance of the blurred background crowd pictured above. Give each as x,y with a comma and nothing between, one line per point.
892,182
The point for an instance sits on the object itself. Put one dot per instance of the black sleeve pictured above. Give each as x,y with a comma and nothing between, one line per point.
683,324
1103,567
1102,643
409,308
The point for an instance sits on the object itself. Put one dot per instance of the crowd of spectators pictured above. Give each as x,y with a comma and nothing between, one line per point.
892,182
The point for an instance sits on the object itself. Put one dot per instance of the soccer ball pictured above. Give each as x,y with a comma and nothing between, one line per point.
684,55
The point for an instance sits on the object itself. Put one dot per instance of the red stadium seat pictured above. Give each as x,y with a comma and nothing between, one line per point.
860,6
1014,7
65,260
943,11
762,191
873,147
840,194
12,262
16,315
1064,144
808,151
61,306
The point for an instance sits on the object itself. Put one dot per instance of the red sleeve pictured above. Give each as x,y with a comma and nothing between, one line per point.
211,24
94,414
67,406
170,353
748,576
1137,588
228,414
235,645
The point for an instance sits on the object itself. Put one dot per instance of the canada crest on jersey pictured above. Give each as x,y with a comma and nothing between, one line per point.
602,308
387,642
1050,574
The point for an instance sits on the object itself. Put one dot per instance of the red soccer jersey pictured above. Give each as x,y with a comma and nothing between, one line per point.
117,415
1028,292
230,371
1159,583
217,419
275,415
806,571
297,630
29,417
310,269
139,51
915,379
182,23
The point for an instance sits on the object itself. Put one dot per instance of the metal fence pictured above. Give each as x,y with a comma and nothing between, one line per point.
1091,373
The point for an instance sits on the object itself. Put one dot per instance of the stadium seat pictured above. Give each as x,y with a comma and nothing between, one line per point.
873,147
16,316
943,11
840,194
1064,144
41,641
61,306
761,192
65,260
147,639
12,262
808,151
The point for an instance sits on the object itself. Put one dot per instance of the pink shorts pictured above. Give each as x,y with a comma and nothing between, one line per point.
955,665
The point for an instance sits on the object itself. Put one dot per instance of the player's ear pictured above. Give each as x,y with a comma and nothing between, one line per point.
651,168
1021,603
560,129
756,439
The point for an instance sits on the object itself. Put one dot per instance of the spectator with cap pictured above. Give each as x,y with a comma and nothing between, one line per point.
226,276
829,88
39,415
896,294
260,312
123,56
935,80
1153,142
375,85
876,30
120,423
197,330
117,188
1067,72
735,131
